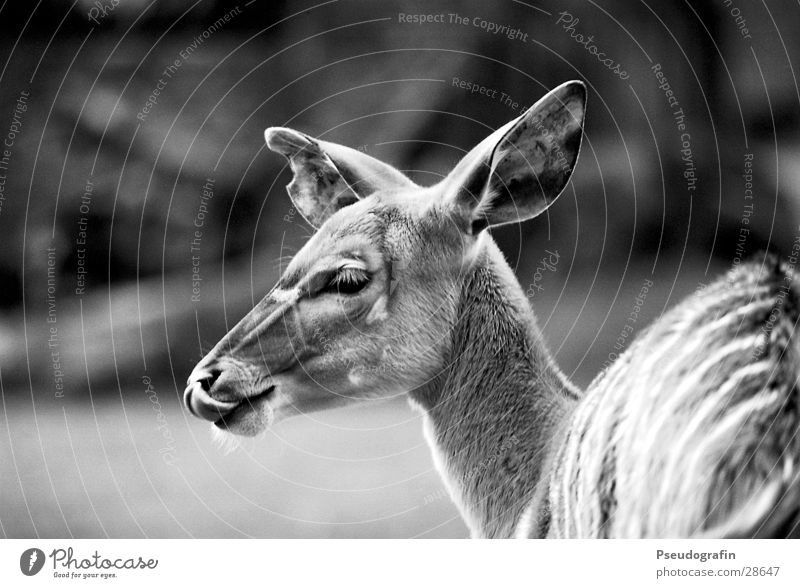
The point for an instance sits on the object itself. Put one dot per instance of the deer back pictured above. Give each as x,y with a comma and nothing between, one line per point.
695,430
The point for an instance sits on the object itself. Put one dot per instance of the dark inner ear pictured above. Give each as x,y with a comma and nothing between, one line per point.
518,171
534,161
537,156
318,188
327,176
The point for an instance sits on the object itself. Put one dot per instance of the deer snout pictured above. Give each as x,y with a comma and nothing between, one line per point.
216,389
208,394
236,378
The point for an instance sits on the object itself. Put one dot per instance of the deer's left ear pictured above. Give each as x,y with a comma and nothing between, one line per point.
327,176
520,169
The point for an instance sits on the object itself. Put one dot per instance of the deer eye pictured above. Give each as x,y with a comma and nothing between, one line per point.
348,280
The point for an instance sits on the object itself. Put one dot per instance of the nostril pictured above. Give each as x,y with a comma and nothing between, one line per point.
197,397
209,380
199,400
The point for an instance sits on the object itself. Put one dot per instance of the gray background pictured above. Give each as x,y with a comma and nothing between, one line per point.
91,462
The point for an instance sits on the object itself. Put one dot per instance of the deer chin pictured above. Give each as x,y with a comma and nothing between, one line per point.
252,416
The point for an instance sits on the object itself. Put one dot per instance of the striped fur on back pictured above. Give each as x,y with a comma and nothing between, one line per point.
694,431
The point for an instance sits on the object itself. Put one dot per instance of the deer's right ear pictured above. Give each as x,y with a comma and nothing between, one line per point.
520,169
327,176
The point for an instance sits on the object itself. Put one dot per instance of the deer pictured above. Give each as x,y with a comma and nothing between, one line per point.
401,289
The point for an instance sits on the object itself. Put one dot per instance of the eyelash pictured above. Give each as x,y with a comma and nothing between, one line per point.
349,280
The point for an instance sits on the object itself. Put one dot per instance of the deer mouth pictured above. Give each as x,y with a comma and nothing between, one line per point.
225,406
244,407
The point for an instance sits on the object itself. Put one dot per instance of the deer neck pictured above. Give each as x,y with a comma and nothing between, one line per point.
493,416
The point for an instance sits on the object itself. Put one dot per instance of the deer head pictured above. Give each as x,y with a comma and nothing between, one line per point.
367,306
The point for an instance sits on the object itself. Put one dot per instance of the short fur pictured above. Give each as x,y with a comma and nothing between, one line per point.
692,432
695,422
492,413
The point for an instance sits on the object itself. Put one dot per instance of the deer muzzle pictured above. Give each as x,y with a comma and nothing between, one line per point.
238,373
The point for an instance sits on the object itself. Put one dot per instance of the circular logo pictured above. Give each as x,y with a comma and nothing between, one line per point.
31,561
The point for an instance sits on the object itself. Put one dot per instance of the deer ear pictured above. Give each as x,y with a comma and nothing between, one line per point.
327,176
520,169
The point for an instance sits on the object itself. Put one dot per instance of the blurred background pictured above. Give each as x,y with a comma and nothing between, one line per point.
141,216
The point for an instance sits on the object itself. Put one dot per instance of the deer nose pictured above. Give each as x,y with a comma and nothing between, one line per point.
198,399
207,379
